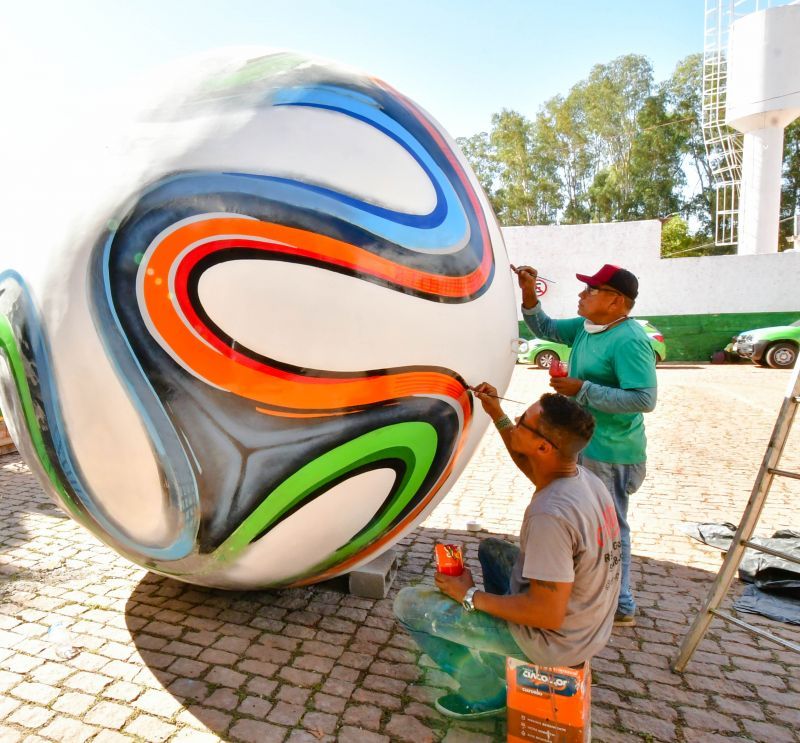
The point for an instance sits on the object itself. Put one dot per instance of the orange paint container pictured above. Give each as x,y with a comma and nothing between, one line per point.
548,703
449,559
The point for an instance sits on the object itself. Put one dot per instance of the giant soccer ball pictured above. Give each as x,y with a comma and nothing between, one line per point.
237,343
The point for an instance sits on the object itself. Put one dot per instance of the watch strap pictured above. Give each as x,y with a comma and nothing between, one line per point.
467,602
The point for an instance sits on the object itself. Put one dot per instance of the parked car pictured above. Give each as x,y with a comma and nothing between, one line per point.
543,353
776,347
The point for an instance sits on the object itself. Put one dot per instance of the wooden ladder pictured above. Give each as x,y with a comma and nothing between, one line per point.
742,540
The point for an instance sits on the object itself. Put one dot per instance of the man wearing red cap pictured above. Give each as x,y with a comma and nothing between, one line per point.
612,373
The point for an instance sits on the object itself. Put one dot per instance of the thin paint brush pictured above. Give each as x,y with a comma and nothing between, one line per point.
506,399
538,276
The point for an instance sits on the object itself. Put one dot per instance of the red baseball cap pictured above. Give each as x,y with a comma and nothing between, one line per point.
615,277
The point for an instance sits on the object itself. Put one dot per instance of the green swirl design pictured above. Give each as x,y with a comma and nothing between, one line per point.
413,443
10,348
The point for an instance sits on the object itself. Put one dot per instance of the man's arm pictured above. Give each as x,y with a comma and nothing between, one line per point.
549,568
491,405
635,392
543,605
613,400
542,326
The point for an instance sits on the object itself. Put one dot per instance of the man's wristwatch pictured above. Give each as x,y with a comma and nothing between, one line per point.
467,602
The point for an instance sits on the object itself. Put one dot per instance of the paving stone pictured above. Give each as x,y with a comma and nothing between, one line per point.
205,717
264,687
254,707
122,690
254,731
91,683
348,734
305,736
225,677
193,736
108,715
223,699
150,728
639,723
704,736
183,689
67,729
327,703
73,702
705,719
459,735
111,736
769,732
408,729
284,713
320,722
159,703
293,694
363,716
300,678
30,716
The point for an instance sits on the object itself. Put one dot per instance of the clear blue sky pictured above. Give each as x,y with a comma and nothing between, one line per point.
462,60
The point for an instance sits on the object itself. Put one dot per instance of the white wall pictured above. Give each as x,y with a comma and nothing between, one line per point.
672,286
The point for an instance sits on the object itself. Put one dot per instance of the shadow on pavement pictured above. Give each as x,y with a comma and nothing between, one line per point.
265,663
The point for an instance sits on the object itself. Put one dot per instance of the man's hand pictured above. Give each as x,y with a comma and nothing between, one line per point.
568,386
526,276
454,586
488,397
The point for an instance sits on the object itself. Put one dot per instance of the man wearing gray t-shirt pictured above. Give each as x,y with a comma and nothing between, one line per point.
552,599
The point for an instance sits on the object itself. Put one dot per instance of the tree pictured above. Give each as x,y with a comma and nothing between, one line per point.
614,95
481,156
615,147
684,91
655,167
561,131
790,192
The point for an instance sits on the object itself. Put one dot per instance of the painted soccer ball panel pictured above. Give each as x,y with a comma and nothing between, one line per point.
248,365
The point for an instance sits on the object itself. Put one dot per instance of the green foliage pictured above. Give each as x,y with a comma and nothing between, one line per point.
618,146
790,192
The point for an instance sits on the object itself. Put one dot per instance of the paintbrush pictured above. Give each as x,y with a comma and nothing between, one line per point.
538,275
506,399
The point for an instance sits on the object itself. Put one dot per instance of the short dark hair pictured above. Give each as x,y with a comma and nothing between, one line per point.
562,419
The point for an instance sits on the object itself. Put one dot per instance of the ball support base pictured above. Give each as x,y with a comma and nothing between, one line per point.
373,580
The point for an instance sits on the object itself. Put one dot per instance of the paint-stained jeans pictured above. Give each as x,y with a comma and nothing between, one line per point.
622,481
469,646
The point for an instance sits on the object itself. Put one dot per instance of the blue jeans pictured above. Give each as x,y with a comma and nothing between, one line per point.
469,646
622,480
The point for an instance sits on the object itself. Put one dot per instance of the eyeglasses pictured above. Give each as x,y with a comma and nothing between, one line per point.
522,424
592,290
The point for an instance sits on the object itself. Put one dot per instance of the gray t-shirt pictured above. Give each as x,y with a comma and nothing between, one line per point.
570,534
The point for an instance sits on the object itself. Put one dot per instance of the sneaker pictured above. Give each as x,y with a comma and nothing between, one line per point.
624,620
459,708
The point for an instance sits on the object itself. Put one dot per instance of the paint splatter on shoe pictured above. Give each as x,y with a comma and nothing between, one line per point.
459,708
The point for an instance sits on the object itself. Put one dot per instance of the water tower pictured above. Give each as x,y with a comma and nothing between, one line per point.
751,82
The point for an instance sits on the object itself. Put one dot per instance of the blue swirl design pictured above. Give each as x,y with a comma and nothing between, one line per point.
21,313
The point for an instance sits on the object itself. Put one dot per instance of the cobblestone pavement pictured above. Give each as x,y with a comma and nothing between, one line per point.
164,661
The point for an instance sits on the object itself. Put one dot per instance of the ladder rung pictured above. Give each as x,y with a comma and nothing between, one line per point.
770,551
755,630
784,473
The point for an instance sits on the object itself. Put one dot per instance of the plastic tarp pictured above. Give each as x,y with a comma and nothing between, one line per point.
775,589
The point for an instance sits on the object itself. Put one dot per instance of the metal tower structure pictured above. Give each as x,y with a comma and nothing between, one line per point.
724,144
